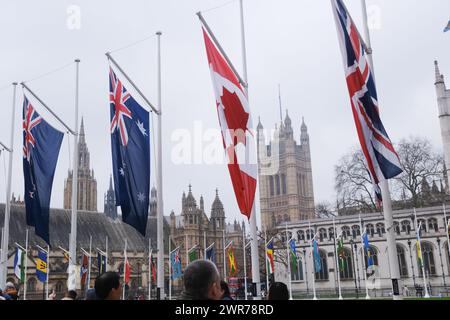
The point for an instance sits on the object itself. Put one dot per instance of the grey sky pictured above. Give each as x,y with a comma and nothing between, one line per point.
291,42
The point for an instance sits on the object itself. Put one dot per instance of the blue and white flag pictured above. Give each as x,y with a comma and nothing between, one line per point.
130,153
19,264
41,145
175,261
211,253
367,250
316,255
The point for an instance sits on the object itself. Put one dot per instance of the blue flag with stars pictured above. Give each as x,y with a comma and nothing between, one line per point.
41,145
130,154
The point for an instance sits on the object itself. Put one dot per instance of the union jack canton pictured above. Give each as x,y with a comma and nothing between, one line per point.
381,158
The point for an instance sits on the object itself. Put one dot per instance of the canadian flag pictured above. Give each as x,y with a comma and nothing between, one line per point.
236,125
127,271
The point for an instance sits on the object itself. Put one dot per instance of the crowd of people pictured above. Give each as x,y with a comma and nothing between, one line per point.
201,281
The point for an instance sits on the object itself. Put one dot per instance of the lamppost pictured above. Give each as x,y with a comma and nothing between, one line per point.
353,263
412,265
442,264
306,271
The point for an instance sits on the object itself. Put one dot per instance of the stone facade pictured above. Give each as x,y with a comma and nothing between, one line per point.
434,248
286,193
110,208
87,185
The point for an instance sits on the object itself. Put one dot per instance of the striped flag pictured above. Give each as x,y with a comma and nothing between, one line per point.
19,264
231,260
418,246
269,256
381,158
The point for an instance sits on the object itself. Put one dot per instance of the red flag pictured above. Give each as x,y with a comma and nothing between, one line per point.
153,270
84,269
236,124
127,271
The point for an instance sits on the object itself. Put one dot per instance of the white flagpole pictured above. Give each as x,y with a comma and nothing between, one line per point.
418,242
204,244
5,238
150,252
106,255
384,186
159,207
89,270
245,262
313,263
363,258
170,271
187,249
253,236
288,263
266,262
26,266
338,275
48,270
74,203
224,263
447,228
124,268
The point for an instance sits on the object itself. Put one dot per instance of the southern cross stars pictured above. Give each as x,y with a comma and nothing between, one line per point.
141,128
141,197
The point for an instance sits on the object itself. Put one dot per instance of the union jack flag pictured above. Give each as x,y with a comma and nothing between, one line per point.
176,271
31,120
118,95
381,158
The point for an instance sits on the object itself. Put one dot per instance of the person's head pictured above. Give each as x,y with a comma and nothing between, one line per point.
107,286
202,280
90,294
278,291
225,288
72,294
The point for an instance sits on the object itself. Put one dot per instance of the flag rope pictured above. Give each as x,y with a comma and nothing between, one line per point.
133,43
49,72
218,7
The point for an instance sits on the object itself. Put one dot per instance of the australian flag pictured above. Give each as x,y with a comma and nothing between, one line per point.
41,145
130,154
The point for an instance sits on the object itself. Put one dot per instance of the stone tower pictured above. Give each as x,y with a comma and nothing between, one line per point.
110,208
153,202
87,185
443,98
286,194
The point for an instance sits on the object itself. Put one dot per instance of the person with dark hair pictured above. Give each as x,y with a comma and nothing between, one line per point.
70,295
90,294
107,286
278,291
226,291
201,281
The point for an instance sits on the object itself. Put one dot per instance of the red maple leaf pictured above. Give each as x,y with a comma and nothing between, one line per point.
235,115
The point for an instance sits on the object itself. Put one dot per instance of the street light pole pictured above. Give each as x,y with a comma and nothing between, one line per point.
442,264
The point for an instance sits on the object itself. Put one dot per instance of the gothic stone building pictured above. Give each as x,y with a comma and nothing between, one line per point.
109,207
87,185
190,228
434,249
285,183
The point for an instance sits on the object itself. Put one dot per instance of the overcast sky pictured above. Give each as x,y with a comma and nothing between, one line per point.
291,42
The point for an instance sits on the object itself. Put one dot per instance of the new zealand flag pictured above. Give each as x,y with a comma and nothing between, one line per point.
41,145
130,153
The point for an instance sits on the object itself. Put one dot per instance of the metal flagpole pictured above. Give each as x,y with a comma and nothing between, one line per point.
187,249
204,244
313,262
363,257
106,255
245,263
288,263
5,238
124,269
266,262
447,228
26,266
337,260
418,227
224,264
149,268
74,202
384,186
89,270
170,270
160,208
253,236
48,270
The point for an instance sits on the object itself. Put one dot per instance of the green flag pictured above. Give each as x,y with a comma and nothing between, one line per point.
193,254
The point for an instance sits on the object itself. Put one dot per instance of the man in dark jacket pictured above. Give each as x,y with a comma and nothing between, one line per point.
201,281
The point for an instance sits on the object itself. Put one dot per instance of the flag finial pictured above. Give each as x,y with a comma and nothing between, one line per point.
439,77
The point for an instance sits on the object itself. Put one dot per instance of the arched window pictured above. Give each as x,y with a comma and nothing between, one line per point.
283,184
271,186
423,225
59,287
277,184
345,264
300,235
345,232
380,229
331,233
428,258
370,229
373,253
323,273
402,261
297,270
433,225
322,234
406,226
31,284
356,231
397,227
309,234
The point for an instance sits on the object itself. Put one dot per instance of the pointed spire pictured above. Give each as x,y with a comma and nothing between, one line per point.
304,127
82,135
110,183
279,99
438,76
259,126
